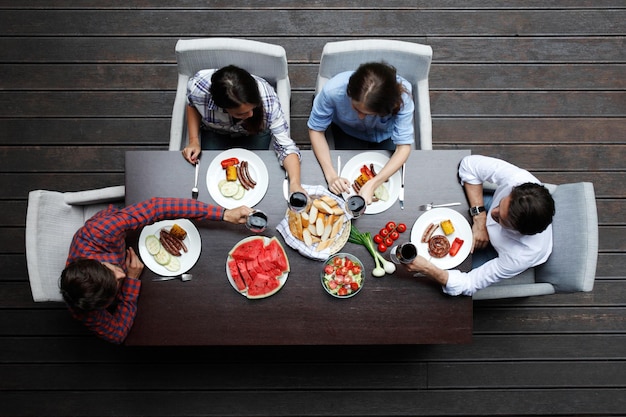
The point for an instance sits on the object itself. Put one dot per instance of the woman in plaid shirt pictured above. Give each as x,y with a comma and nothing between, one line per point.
100,282
236,109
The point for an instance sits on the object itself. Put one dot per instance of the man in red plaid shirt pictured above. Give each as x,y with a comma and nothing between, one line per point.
100,282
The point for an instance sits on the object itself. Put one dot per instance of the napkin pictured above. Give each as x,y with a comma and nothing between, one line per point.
297,244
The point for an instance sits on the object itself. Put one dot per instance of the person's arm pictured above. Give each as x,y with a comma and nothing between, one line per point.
193,148
398,158
427,268
319,144
292,166
474,194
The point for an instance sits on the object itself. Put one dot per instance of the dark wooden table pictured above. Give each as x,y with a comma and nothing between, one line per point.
395,309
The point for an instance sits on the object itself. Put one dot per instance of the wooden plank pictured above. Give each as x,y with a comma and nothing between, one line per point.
473,77
300,22
218,377
482,49
73,131
465,132
17,186
443,104
537,402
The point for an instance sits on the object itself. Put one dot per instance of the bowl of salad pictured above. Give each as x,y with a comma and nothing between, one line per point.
342,275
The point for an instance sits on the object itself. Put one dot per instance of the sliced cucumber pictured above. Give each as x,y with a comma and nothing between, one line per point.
228,188
173,265
152,244
382,193
162,257
240,193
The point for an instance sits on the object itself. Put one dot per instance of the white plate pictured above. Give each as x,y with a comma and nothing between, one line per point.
462,230
281,280
258,172
187,260
353,169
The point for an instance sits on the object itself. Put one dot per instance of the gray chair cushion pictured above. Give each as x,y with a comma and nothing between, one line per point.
51,222
572,264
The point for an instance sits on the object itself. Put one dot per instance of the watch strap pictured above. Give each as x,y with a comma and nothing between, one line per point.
476,210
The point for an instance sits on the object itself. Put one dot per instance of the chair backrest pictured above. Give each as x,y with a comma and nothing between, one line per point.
411,60
572,265
262,59
52,218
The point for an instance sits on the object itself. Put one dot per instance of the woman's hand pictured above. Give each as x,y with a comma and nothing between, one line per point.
338,185
237,215
192,152
134,266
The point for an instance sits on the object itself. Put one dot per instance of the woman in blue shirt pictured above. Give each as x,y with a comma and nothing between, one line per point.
370,108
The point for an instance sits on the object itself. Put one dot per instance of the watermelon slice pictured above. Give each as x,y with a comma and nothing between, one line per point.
248,250
234,272
257,269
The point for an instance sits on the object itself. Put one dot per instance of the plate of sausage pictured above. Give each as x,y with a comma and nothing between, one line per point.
374,161
444,236
168,254
237,177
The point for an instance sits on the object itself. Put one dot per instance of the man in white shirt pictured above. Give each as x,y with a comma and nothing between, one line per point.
517,225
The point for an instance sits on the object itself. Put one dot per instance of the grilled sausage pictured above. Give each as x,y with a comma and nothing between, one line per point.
429,232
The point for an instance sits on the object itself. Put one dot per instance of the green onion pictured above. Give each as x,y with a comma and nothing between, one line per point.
365,239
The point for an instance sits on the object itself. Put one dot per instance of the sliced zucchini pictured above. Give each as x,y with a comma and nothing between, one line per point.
152,244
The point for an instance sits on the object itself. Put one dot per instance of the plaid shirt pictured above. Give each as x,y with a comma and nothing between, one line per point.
216,118
103,238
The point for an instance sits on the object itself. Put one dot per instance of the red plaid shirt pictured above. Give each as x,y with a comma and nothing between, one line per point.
103,238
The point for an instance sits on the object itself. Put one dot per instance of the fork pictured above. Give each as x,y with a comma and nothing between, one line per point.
194,190
426,207
183,277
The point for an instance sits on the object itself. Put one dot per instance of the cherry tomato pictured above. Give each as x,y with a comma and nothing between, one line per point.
348,263
401,227
328,269
382,247
390,226
354,286
378,239
338,261
342,271
388,242
394,235
384,232
356,270
342,291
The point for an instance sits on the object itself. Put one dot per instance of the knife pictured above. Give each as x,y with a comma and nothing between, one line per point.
401,195
286,187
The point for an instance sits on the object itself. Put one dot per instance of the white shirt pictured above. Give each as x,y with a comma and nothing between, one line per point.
516,252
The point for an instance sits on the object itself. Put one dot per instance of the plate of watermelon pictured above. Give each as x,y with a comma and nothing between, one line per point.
257,267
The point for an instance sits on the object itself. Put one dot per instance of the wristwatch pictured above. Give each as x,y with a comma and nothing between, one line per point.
476,210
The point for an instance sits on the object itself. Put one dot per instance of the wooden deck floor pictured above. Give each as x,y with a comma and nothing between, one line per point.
539,83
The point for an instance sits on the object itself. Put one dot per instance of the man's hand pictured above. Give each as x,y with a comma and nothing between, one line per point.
479,231
134,266
425,267
237,215
192,152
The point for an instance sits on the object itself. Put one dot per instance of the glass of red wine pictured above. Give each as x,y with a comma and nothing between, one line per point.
257,221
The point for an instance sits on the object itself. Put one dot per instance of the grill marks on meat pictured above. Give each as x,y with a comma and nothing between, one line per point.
171,243
438,246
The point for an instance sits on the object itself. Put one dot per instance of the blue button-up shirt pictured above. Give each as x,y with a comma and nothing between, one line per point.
332,104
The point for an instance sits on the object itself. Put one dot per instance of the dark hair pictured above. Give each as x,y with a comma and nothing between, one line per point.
87,284
232,87
374,84
531,208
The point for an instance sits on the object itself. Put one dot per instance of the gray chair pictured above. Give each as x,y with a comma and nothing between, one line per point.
572,265
262,59
411,60
52,218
